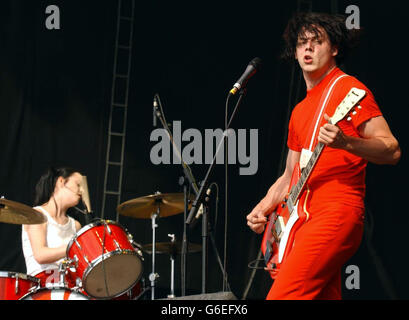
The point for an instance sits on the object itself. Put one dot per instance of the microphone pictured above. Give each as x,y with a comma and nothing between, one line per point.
155,105
208,192
251,69
200,210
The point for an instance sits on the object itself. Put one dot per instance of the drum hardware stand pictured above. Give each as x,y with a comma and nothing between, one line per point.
193,217
16,286
87,214
205,235
154,276
183,181
172,268
144,291
63,269
138,248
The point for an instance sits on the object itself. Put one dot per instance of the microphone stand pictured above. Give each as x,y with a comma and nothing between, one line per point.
205,225
183,182
87,219
200,195
85,213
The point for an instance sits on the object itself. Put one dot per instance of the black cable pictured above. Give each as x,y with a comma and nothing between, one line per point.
226,158
254,264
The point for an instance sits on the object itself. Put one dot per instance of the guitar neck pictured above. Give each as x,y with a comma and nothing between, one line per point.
299,186
351,99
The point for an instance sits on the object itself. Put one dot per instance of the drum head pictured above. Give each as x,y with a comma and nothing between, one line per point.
113,275
54,294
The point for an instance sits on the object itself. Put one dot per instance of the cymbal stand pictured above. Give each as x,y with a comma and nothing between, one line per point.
183,181
172,268
153,276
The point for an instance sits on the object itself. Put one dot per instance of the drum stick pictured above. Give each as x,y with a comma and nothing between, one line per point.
85,193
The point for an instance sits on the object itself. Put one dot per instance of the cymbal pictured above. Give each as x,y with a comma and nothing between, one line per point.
169,204
18,213
172,247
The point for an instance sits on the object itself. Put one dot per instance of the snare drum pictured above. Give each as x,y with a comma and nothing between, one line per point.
61,293
14,285
105,260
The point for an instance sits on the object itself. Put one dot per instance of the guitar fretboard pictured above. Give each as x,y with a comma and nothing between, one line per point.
298,187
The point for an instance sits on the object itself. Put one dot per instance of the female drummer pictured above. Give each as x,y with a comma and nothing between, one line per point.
44,245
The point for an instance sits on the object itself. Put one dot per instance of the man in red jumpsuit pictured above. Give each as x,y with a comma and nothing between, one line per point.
333,231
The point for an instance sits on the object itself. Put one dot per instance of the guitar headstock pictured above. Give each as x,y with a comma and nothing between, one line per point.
351,100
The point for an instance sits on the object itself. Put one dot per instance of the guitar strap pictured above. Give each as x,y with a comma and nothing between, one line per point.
313,131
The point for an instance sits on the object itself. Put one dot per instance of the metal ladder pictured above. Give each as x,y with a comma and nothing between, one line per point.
118,113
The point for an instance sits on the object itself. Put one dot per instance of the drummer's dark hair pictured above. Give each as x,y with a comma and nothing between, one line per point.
46,184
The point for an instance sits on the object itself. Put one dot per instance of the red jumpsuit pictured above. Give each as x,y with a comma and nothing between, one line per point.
333,232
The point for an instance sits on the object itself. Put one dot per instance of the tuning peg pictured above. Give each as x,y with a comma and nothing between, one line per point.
349,119
354,112
359,106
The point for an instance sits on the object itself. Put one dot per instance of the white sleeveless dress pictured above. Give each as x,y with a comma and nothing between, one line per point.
57,235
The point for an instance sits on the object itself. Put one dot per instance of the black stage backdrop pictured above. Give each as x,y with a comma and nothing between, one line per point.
55,97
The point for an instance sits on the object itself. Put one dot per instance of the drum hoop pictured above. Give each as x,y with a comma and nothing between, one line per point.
105,256
51,289
89,227
22,276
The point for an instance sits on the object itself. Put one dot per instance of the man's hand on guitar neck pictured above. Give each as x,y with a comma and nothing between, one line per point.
376,144
332,135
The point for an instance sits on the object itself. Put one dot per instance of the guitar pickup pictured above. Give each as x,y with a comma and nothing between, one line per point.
278,228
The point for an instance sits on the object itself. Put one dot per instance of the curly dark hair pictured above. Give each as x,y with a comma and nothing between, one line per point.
334,25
